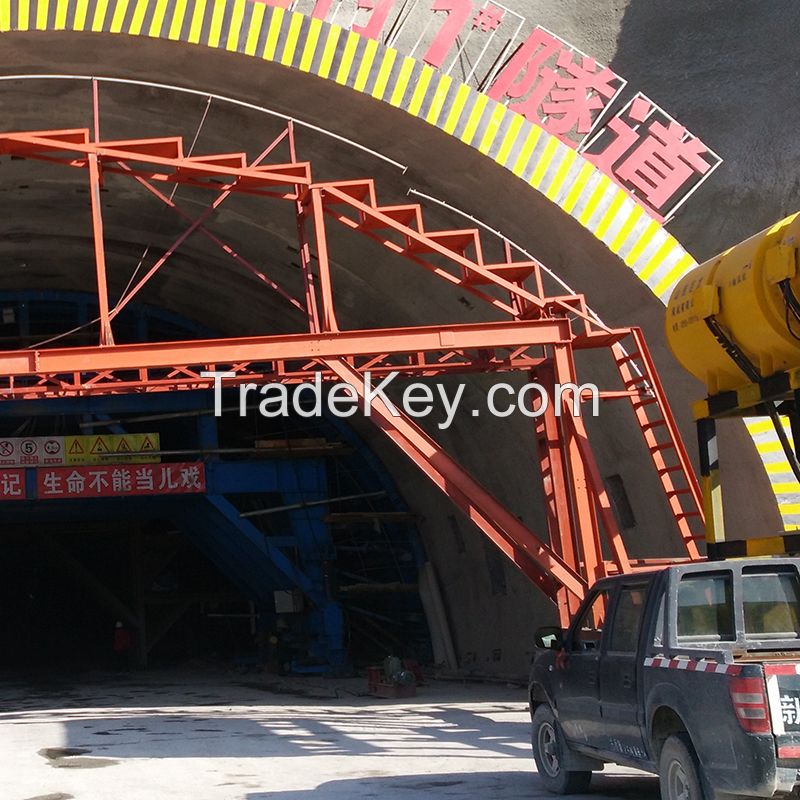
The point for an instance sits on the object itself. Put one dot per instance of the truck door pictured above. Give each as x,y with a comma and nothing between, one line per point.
619,692
577,673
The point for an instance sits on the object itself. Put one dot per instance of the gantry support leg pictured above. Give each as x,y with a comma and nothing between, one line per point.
591,497
556,483
537,561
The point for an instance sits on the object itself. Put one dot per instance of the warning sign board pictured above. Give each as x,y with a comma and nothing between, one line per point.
31,451
12,484
133,448
120,480
43,451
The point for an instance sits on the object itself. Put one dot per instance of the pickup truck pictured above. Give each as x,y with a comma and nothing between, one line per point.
691,672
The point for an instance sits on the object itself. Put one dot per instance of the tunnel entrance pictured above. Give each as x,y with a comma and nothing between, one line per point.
543,333
301,556
70,601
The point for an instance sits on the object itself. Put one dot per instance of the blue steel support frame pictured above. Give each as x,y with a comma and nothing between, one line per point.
302,481
259,561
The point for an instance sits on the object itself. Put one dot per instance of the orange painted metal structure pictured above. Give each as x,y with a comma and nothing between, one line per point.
534,334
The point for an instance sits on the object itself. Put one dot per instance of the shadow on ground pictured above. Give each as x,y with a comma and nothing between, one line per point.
126,720
494,785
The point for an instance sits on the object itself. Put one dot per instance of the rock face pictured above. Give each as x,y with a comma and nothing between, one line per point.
725,70
728,72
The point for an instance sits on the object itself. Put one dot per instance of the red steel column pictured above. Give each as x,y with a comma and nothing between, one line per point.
326,287
556,483
304,249
106,336
586,524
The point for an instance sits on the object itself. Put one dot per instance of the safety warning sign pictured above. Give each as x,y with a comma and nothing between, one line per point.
31,451
44,451
136,448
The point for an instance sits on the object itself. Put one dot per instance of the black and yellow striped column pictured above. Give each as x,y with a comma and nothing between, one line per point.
711,486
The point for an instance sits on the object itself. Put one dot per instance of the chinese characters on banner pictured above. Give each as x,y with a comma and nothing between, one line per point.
12,484
120,480
459,37
545,79
556,86
653,157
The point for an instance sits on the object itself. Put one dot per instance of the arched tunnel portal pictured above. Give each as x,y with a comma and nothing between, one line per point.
220,99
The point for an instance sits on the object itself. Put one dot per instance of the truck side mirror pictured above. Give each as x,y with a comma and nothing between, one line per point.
549,638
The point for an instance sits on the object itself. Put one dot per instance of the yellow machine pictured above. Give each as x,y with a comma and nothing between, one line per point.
734,323
747,298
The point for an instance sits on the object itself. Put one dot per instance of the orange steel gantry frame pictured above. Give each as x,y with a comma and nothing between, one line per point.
537,335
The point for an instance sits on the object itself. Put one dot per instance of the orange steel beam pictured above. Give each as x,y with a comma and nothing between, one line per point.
556,483
590,481
303,246
188,378
595,483
306,346
165,152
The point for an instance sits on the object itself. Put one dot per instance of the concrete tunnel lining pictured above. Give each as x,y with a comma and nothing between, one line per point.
439,165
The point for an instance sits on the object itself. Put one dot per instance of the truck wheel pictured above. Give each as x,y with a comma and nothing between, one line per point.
678,770
549,750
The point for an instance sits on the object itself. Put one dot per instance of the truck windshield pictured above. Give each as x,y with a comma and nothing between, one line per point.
771,604
705,607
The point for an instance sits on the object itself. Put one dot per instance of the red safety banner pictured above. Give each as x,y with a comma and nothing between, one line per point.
12,484
120,480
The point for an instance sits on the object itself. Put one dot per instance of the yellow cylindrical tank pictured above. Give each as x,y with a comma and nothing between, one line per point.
742,291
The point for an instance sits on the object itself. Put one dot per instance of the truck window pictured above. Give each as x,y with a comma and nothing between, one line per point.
771,603
705,607
627,619
589,629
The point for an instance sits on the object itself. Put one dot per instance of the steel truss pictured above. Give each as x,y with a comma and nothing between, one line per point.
538,338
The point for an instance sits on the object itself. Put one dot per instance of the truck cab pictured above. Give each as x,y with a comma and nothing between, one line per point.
691,672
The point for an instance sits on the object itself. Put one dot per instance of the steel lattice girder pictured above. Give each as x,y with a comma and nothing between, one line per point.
538,322
426,351
166,152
